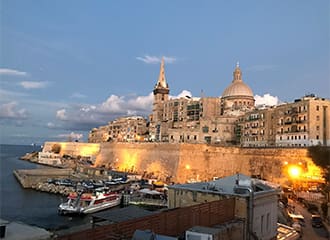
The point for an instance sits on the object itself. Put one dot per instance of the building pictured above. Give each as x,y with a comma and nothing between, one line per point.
255,200
304,122
124,129
199,120
230,119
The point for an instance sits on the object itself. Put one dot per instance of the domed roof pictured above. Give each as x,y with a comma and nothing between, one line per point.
237,87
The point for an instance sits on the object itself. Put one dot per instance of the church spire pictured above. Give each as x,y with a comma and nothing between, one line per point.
161,79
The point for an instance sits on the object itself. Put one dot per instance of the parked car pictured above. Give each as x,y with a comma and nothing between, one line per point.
316,220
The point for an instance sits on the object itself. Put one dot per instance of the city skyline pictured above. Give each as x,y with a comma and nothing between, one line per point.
69,67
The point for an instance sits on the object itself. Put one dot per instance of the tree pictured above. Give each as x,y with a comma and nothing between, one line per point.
321,157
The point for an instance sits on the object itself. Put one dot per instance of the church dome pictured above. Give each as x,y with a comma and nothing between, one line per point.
237,87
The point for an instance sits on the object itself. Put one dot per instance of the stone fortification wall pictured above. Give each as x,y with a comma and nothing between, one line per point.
202,162
74,148
185,162
161,159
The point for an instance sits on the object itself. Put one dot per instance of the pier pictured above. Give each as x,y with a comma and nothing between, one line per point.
30,178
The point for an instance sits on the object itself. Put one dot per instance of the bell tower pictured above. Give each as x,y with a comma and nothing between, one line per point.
161,92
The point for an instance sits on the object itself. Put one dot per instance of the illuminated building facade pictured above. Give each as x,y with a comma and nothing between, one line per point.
125,129
231,119
199,120
305,122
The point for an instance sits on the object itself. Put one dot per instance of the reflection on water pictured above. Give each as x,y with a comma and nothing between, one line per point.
26,205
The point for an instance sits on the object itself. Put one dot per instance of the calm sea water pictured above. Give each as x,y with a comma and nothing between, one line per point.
26,205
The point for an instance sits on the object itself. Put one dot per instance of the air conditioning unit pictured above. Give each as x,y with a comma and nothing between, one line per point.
198,236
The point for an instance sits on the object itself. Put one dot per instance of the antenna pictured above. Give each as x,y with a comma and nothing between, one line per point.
202,93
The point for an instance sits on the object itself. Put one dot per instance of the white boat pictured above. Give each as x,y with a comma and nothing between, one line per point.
83,203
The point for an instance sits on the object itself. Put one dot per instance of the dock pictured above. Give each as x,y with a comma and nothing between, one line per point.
31,177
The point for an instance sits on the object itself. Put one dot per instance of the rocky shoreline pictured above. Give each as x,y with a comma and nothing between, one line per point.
52,188
33,157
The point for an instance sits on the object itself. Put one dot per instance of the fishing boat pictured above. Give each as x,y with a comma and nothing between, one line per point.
84,203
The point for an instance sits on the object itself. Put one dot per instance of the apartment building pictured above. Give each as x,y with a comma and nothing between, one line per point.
304,122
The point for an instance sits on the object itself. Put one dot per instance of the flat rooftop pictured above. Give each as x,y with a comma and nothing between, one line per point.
226,185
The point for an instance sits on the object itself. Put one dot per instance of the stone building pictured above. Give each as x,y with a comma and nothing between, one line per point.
199,120
100,134
255,201
125,129
231,119
304,122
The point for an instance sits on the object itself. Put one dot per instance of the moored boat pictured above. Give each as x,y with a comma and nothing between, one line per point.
84,203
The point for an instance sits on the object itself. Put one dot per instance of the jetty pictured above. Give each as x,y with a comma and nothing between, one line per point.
29,178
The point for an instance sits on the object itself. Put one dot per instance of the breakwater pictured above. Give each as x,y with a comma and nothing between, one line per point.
32,177
182,162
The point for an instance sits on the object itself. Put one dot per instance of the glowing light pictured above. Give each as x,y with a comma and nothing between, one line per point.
285,163
187,166
128,161
294,171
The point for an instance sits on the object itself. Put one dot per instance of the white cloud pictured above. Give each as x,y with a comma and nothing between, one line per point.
266,100
60,114
51,125
10,111
78,95
71,136
154,59
11,72
184,93
112,104
33,85
85,117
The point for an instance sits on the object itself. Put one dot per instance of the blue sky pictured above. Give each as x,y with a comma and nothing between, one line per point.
69,66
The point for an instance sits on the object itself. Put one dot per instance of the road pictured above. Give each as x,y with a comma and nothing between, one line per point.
309,232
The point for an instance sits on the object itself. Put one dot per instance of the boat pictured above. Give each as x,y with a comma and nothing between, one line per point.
83,202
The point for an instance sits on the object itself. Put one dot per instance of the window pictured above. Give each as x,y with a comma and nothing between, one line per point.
317,136
205,129
317,118
194,196
317,128
317,108
268,222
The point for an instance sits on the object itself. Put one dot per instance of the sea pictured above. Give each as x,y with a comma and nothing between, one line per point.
26,205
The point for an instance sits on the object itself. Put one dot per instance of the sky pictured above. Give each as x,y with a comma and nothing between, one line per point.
69,66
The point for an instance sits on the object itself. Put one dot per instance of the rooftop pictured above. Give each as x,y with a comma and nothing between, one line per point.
227,185
121,214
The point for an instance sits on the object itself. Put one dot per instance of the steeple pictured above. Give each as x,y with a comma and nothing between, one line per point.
237,73
161,79
161,85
